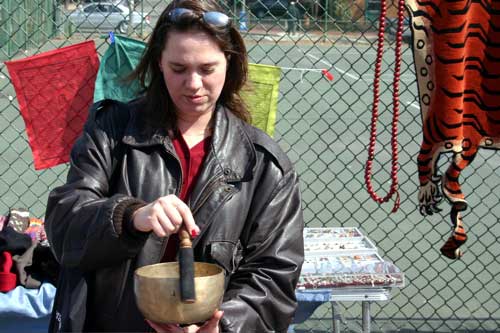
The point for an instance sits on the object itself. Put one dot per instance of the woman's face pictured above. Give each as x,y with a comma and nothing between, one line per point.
194,70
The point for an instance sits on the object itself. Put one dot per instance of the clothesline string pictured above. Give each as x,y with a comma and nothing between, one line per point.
325,72
302,69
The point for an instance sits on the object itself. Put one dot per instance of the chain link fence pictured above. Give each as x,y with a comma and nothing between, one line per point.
324,128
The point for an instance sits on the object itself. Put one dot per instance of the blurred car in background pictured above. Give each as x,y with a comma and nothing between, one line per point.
106,16
262,8
391,28
115,2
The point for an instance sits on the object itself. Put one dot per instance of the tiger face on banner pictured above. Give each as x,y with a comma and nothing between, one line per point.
456,47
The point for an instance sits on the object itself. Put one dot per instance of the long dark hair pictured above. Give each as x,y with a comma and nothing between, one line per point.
159,105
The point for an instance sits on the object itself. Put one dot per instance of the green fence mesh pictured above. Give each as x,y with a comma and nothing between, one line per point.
323,126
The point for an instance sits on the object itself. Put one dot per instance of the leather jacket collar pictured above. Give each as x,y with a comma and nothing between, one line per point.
231,145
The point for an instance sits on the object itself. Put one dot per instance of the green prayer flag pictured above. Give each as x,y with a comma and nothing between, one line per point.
261,95
123,55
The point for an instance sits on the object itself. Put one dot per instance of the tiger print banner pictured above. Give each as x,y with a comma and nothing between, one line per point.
456,48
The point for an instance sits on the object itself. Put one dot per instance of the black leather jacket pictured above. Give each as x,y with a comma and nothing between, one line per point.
246,202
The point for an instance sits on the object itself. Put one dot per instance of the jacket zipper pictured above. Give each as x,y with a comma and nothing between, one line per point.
209,189
206,192
177,193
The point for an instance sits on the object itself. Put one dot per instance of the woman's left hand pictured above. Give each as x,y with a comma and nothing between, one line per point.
211,326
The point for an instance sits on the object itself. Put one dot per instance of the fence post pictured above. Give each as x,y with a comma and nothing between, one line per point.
243,20
131,7
325,29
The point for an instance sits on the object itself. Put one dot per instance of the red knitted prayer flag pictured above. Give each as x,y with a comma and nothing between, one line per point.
55,90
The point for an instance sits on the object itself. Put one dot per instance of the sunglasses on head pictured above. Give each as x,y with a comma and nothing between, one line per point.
216,19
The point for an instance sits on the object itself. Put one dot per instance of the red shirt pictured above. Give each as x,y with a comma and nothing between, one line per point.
191,161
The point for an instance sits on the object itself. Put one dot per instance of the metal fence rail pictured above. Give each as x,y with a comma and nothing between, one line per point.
324,128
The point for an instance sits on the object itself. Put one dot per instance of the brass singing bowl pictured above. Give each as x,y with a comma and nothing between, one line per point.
157,293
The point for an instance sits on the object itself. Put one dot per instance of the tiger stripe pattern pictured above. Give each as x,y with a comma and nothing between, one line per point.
456,50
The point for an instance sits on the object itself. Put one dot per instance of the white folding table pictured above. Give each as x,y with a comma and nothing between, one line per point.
365,295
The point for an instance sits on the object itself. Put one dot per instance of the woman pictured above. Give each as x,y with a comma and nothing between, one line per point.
181,155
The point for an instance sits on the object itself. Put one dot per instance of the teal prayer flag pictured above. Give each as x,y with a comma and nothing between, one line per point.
119,60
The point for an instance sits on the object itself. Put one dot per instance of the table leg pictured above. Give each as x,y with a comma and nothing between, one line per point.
335,320
365,311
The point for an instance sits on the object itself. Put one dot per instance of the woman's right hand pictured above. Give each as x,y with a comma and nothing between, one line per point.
164,217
